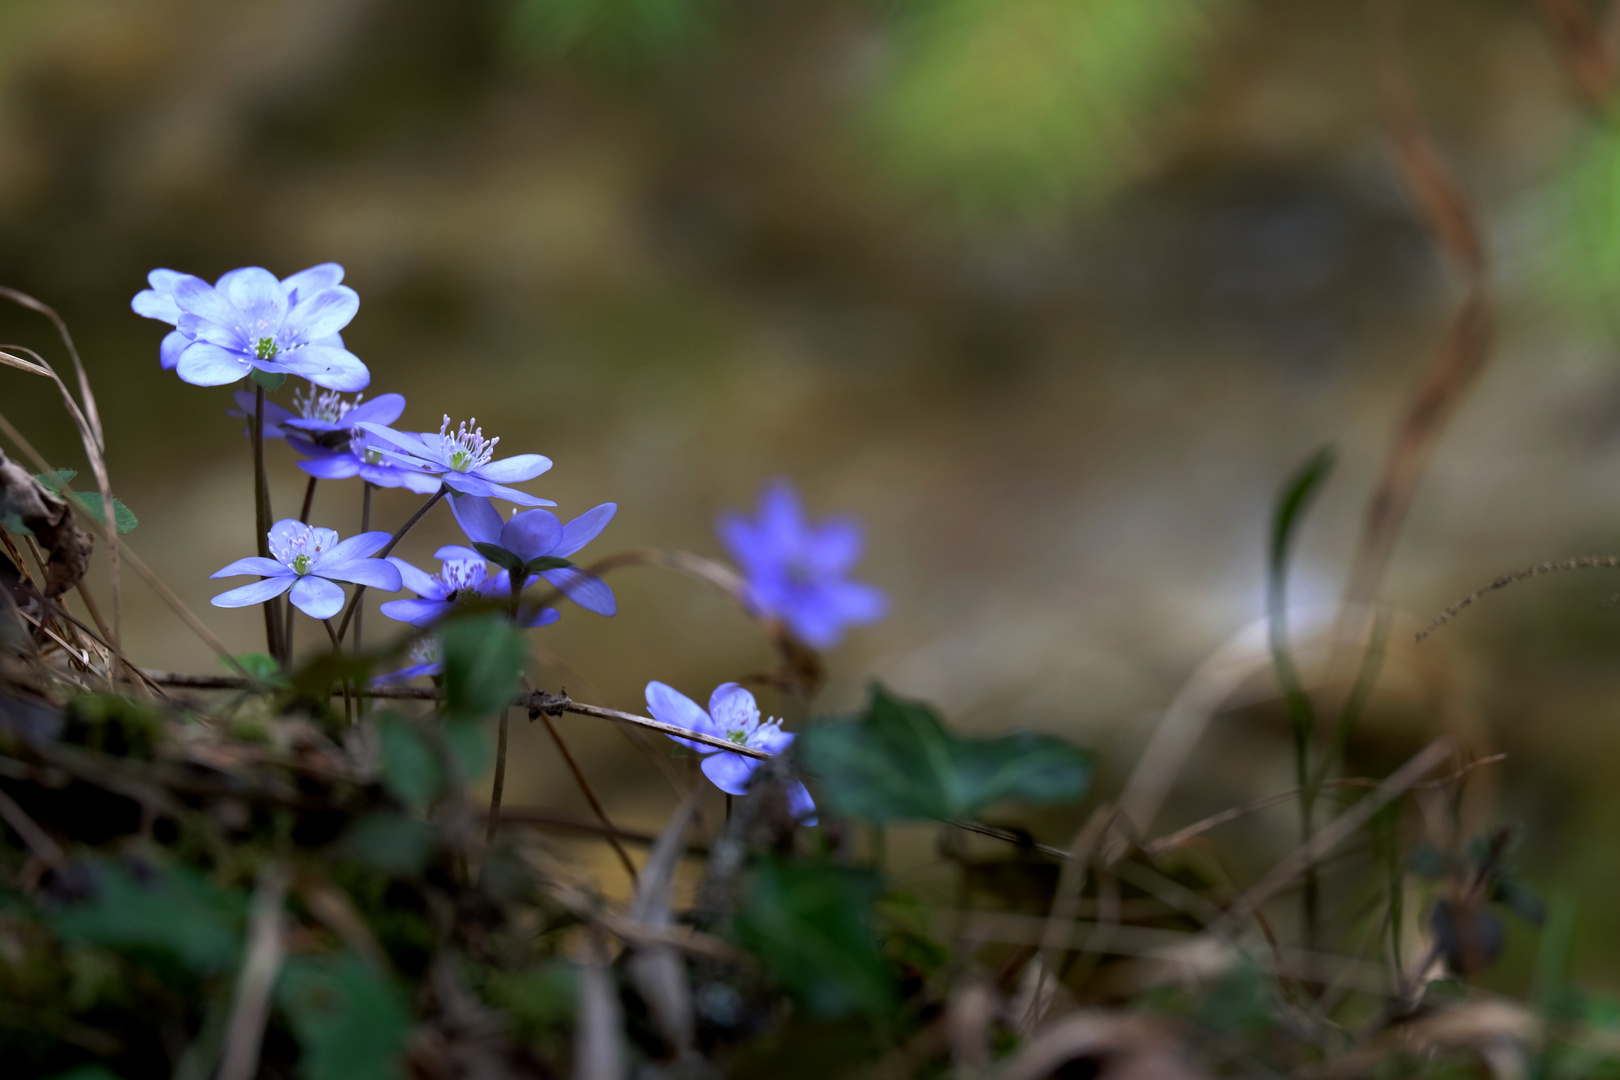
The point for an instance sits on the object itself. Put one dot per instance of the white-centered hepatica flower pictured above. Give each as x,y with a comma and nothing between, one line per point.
307,563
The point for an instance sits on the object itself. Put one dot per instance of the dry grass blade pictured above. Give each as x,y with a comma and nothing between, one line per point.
1588,48
250,1006
39,842
89,428
598,1033
23,365
1214,680
657,971
1333,834
1112,1046
1445,208
1589,562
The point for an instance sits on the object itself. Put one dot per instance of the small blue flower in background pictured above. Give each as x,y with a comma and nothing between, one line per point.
796,569
274,415
463,576
306,564
328,433
248,319
463,460
538,534
734,716
428,655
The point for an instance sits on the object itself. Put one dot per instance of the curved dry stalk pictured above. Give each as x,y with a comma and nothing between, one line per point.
1587,562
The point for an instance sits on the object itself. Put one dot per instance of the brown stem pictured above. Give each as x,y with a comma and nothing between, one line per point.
337,647
261,519
499,786
309,500
590,797
365,526
360,590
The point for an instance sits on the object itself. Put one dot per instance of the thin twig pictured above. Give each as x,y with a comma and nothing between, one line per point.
536,701
1588,562
360,590
590,797
250,1007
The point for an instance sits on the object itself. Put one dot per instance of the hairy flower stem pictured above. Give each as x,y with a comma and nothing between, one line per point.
365,526
261,512
309,500
360,590
498,787
590,797
337,647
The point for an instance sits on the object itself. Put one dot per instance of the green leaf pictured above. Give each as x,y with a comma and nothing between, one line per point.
813,927
468,743
393,843
175,911
483,660
271,381
411,770
498,555
545,562
350,1020
261,667
1296,497
620,36
898,762
123,517
13,523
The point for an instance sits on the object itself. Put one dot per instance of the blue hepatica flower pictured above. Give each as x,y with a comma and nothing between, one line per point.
538,536
316,413
463,576
463,459
796,569
329,435
307,564
249,320
734,716
428,659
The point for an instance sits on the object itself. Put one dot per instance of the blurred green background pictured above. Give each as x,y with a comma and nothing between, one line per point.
1052,293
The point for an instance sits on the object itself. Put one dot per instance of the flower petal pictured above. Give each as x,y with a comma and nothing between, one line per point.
416,612
317,597
451,552
417,580
256,593
206,364
587,590
730,772
394,476
196,297
583,529
478,518
733,709
337,467
435,667
158,302
859,603
544,617
800,804
835,545
513,469
324,365
382,409
253,564
174,343
359,546
531,534
673,707
313,280
258,295
285,531
323,313
471,485
372,573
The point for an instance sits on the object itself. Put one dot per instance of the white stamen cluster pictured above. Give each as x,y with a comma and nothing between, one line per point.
466,450
324,405
463,576
297,553
426,651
